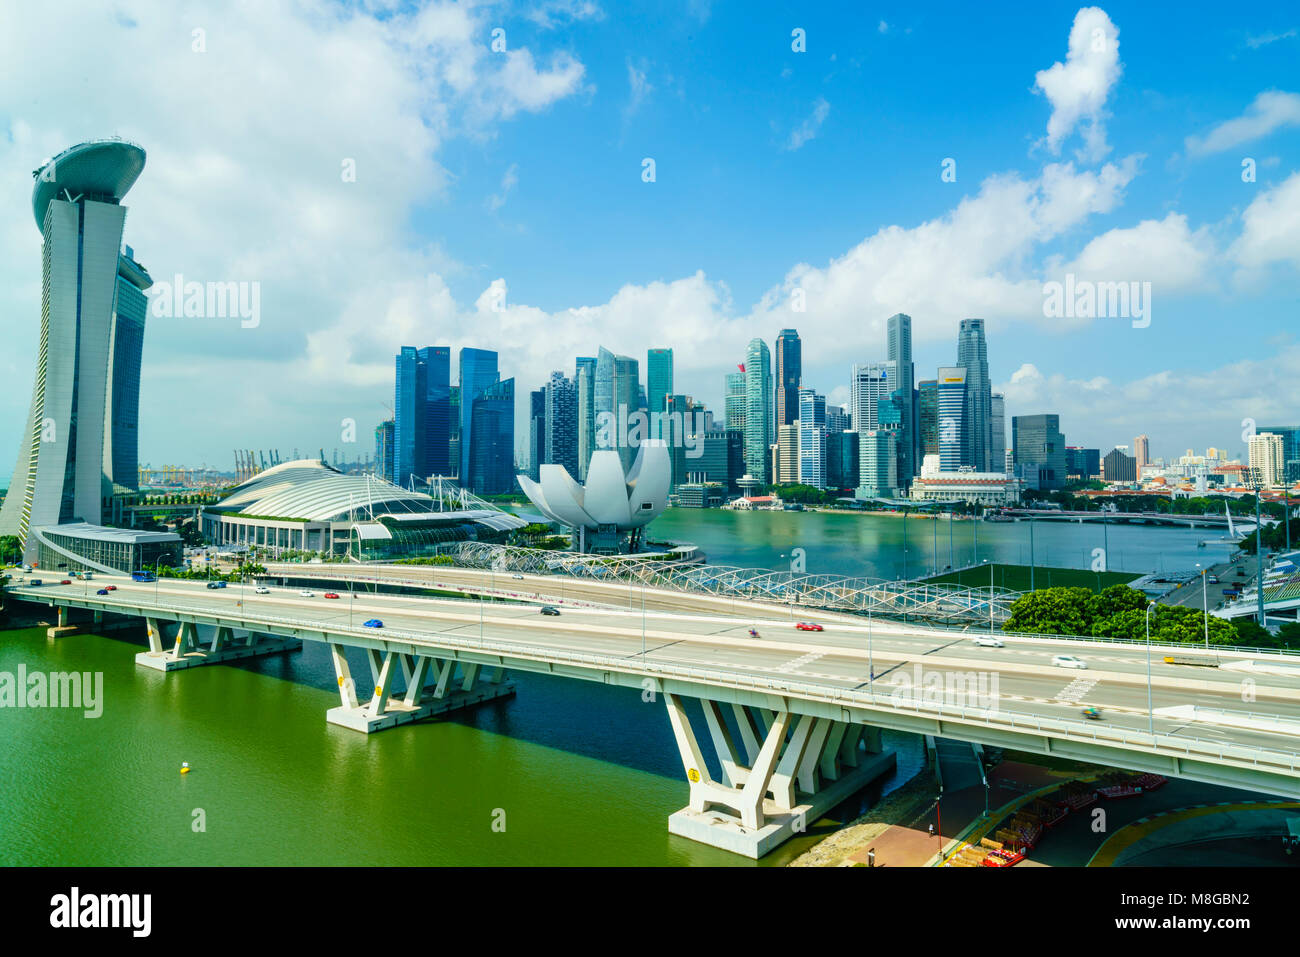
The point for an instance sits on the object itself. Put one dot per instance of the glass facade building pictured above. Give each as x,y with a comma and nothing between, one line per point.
789,375
760,426
125,349
951,397
658,378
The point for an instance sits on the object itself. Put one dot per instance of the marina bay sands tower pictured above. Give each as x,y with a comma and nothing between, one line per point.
80,435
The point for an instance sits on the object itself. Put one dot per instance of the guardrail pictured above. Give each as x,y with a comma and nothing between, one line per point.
845,697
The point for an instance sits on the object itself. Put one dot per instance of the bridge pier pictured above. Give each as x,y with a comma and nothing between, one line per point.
431,685
783,773
189,651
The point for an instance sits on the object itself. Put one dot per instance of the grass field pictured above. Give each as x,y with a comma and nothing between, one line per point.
1017,577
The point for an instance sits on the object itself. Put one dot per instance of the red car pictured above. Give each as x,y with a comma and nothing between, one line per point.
111,587
331,594
66,581
808,626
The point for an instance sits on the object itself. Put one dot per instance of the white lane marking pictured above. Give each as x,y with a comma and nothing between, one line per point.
1076,689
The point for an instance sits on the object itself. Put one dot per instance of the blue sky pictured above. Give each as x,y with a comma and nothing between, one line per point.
775,170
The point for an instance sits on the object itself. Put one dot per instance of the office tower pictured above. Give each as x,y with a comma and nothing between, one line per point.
1266,456
486,458
927,417
658,378
125,347
787,441
737,401
721,459
972,355
837,420
789,375
1082,464
437,410
878,464
616,392
1118,467
491,446
384,449
997,432
899,334
1142,452
536,432
951,402
842,467
812,438
453,443
674,423
760,430
560,409
1290,435
871,383
585,376
1039,448
60,471
408,415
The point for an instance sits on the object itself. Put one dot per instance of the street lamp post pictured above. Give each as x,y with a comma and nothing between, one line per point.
1205,606
904,543
1151,714
952,559
990,596
1031,553
1256,479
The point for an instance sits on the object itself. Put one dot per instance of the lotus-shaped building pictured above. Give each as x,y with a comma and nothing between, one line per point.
611,504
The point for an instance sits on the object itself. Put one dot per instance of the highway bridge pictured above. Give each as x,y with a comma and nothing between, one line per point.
1128,518
791,718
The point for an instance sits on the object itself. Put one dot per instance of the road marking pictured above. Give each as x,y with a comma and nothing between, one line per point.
1075,690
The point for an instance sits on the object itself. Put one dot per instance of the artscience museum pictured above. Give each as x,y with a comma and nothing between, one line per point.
609,511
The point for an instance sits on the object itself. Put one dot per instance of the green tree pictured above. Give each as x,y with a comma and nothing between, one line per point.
1052,611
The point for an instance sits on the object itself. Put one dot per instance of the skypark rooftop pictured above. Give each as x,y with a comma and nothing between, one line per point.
103,170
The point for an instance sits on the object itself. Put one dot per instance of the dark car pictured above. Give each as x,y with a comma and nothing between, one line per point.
374,623
102,591
548,610
214,584
220,584
35,583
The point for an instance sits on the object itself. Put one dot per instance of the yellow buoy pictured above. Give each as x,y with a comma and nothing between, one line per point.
185,767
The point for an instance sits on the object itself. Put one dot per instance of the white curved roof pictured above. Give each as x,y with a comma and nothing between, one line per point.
609,497
310,490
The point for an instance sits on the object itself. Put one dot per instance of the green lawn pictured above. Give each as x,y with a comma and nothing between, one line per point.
1017,577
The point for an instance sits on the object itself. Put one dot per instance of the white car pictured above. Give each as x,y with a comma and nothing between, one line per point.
1069,661
988,641
307,593
520,577
262,590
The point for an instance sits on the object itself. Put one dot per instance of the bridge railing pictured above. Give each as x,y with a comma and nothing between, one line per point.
1186,745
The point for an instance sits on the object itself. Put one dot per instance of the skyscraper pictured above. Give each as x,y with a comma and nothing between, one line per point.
878,464
736,403
658,378
60,472
789,375
437,410
951,391
487,424
997,432
384,450
972,354
536,432
561,418
760,429
927,417
585,377
1267,455
1142,452
617,398
812,438
899,333
125,347
1039,450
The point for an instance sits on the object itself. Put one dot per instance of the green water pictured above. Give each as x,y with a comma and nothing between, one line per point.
580,773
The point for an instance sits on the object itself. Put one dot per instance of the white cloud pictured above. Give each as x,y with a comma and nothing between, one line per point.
508,182
1264,39
553,13
1077,89
1100,412
1167,253
1270,230
808,129
883,27
639,87
1270,110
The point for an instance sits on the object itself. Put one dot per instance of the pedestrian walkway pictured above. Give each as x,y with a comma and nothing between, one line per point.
911,843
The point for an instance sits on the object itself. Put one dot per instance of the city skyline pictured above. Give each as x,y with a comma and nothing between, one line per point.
1068,205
